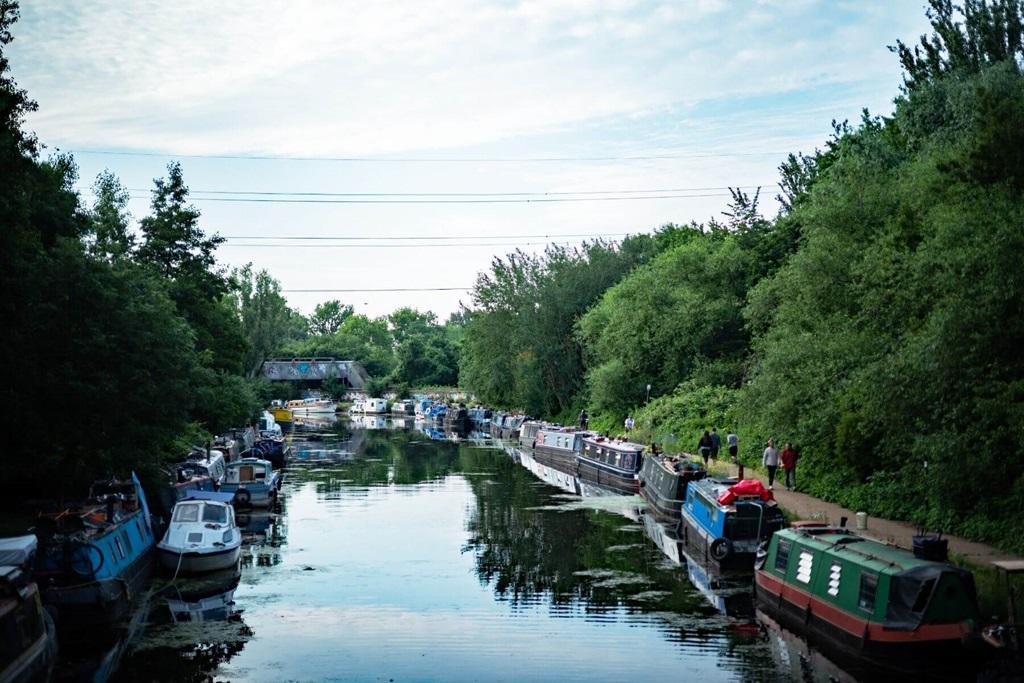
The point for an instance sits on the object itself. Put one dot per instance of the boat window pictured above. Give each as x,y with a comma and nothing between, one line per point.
215,513
245,473
186,513
627,462
127,541
868,584
782,555
120,547
924,593
835,573
261,474
804,565
618,460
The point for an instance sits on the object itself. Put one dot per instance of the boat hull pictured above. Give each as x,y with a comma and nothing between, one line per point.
560,459
697,543
198,563
104,602
945,648
624,482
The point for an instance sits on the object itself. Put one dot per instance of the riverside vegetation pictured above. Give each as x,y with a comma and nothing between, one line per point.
876,321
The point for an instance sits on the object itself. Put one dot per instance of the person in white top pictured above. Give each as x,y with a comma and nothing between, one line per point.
771,462
733,442
629,423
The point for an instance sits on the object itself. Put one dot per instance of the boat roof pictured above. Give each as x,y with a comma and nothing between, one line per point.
17,550
209,497
250,461
882,557
616,444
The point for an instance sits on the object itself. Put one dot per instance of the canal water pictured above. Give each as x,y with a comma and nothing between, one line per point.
397,554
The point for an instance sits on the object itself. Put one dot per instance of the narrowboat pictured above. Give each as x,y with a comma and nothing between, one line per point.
663,483
557,446
510,426
28,639
228,446
456,419
723,522
611,463
403,408
253,481
374,406
270,443
480,418
871,600
421,407
202,535
95,558
436,413
528,433
497,419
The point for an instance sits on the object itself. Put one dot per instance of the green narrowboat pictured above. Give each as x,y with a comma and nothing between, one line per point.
875,601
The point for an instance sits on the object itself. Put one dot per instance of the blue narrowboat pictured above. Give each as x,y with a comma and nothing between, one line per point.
253,481
95,558
611,463
480,418
723,522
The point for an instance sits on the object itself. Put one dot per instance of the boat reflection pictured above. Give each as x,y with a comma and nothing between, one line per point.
263,534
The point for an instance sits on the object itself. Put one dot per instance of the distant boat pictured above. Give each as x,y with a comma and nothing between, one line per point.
557,446
312,406
202,535
96,557
29,640
253,482
281,412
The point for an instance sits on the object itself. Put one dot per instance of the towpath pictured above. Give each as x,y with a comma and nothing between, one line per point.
803,506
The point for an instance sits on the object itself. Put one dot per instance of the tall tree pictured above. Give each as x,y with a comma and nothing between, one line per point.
267,321
328,317
109,219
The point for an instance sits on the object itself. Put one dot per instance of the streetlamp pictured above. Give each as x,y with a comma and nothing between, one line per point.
648,399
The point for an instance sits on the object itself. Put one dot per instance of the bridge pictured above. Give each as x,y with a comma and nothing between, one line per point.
315,370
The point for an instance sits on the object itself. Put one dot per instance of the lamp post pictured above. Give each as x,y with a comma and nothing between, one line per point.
648,399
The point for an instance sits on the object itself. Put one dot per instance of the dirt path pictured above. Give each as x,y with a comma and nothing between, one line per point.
803,506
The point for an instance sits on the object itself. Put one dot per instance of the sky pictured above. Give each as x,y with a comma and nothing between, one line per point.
426,138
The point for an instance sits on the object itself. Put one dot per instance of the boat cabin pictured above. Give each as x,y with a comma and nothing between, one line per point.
248,470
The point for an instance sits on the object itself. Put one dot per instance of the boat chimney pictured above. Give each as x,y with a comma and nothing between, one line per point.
842,522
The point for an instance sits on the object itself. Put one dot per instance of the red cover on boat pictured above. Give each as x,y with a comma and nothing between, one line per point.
746,487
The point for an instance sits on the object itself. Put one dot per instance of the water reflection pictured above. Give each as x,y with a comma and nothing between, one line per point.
400,553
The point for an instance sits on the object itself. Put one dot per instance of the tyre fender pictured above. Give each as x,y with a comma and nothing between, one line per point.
721,548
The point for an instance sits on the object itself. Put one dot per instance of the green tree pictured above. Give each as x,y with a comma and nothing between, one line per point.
267,322
110,220
328,317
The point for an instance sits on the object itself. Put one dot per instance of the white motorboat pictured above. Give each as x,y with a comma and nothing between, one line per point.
312,406
202,536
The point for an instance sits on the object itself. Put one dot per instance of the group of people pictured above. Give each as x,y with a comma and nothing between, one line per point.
710,444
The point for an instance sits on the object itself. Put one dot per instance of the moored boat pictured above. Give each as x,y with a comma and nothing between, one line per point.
312,406
28,648
528,433
403,408
253,481
611,463
456,419
868,599
480,418
723,522
557,446
202,535
663,483
95,558
510,426
282,413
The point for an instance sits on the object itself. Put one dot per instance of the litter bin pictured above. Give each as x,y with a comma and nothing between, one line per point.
862,520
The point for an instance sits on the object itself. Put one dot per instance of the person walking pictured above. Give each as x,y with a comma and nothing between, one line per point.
789,458
629,423
770,459
584,419
704,447
733,442
716,443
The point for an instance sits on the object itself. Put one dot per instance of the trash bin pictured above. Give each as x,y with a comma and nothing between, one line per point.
862,520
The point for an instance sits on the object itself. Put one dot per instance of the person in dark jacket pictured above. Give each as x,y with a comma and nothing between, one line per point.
789,458
716,443
584,419
704,447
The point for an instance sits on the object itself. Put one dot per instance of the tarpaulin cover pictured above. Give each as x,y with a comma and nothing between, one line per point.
746,487
17,551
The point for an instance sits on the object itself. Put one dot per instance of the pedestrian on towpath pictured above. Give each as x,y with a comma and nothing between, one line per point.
733,442
584,419
704,447
716,443
629,423
771,462
789,458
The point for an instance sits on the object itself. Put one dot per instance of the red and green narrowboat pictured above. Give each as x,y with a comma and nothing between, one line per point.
874,601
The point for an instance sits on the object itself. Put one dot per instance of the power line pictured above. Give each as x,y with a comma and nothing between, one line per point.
389,289
542,193
421,237
395,246
539,200
426,160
